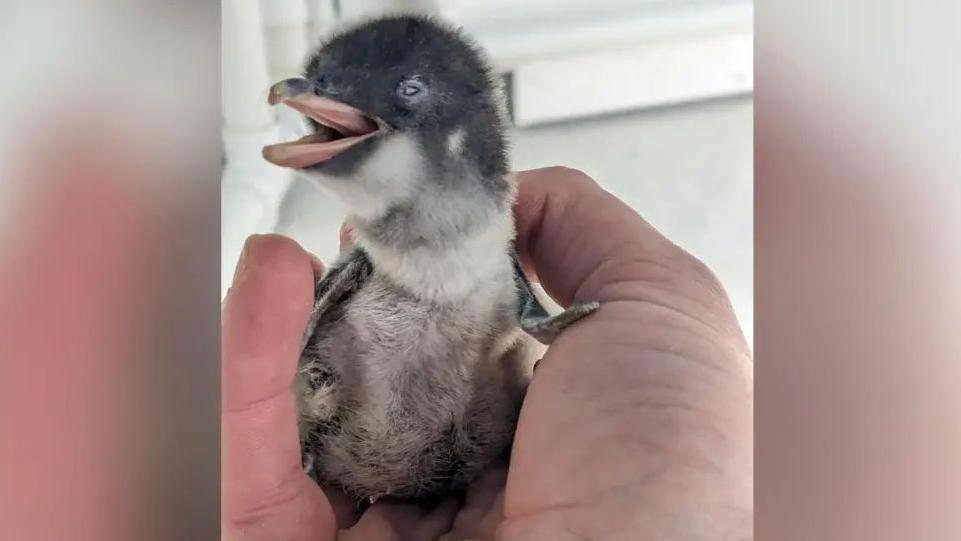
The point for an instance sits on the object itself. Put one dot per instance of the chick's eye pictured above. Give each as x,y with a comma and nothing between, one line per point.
411,89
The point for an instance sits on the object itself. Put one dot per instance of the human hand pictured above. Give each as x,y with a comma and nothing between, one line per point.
637,425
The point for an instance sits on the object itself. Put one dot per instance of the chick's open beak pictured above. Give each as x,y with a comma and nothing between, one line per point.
342,126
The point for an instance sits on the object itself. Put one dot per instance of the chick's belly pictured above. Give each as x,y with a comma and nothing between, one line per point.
432,436
412,458
427,403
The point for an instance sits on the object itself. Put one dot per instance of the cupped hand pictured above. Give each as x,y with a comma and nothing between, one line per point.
637,424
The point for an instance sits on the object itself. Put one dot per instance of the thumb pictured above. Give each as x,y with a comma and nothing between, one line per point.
266,494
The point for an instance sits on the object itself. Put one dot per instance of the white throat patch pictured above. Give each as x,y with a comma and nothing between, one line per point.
390,174
478,266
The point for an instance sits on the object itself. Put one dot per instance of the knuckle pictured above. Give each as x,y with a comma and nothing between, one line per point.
698,271
573,176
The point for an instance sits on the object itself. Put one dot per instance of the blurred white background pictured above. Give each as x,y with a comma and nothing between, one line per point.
650,97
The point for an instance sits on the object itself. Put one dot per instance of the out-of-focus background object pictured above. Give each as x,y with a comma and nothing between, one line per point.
110,169
650,97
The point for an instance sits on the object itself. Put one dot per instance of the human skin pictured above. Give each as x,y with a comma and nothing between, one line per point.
637,424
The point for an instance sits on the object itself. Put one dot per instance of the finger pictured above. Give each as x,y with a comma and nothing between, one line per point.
587,245
483,508
569,229
395,521
345,508
266,495
484,489
436,522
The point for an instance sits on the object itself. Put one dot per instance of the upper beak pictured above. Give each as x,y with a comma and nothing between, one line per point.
301,95
289,88
343,126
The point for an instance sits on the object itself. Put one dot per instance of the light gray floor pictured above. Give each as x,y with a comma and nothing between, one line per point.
688,170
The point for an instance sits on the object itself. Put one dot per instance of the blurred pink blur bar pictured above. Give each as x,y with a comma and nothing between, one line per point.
858,349
109,226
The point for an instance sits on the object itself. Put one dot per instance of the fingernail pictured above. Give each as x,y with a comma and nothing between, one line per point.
242,260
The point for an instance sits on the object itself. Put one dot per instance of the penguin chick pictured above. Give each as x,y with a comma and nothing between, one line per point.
421,342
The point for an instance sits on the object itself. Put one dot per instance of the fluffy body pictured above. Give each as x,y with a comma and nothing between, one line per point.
409,398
